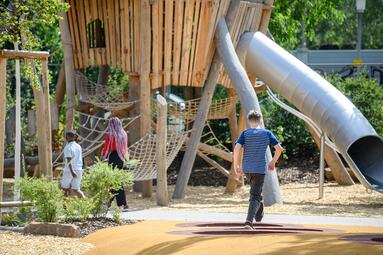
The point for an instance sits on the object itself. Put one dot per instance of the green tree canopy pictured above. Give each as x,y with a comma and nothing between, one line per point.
21,18
326,22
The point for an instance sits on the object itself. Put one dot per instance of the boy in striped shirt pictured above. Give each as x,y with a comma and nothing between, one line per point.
254,142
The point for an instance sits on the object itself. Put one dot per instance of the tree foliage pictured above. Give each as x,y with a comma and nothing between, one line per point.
20,18
289,17
326,22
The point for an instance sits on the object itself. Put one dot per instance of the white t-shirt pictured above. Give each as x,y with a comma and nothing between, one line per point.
73,150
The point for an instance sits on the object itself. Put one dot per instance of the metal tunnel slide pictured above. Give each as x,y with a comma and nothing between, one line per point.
328,108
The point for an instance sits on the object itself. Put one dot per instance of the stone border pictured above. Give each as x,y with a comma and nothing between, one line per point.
54,229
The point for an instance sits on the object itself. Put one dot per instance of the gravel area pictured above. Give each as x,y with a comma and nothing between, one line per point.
17,243
299,199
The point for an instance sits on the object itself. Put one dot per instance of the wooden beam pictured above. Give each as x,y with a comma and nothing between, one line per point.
10,204
18,54
69,70
3,109
162,180
208,149
339,171
266,14
217,166
60,86
211,82
10,162
145,88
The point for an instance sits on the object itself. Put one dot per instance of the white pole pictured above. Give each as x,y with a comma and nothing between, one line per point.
18,125
321,165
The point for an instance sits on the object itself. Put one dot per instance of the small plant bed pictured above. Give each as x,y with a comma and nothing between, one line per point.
95,224
52,213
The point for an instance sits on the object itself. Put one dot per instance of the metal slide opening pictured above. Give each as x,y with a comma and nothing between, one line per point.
367,154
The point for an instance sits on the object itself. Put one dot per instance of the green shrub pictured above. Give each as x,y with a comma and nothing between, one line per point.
99,182
289,130
46,196
117,214
11,219
78,209
367,96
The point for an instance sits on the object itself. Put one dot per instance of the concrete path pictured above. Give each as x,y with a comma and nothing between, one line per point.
183,215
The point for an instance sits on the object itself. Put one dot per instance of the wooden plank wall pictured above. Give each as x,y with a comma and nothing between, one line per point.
182,36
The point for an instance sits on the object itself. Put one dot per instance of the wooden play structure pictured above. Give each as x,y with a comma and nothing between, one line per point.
159,44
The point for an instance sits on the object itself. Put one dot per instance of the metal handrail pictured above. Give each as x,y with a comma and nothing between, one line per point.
318,131
322,135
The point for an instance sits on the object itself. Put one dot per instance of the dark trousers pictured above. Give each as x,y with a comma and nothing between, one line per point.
255,202
115,161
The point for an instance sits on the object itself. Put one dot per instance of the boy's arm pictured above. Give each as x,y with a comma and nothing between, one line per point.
278,151
236,158
69,160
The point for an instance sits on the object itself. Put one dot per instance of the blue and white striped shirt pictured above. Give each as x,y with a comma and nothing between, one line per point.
255,142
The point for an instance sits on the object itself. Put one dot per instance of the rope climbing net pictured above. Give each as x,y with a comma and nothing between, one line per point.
144,152
109,97
219,109
91,130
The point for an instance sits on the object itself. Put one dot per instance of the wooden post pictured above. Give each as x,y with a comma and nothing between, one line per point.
3,98
55,116
10,126
162,180
231,185
266,14
145,88
248,98
211,82
60,86
47,121
17,125
103,75
339,171
39,105
69,70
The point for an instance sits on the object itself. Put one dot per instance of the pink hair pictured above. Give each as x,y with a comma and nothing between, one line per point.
119,136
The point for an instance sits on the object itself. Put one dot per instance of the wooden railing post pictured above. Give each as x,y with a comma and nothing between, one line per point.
47,122
3,98
145,87
162,184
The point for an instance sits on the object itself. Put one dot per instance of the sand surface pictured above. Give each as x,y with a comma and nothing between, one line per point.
299,199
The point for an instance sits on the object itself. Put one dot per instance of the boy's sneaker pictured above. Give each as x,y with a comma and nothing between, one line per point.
248,226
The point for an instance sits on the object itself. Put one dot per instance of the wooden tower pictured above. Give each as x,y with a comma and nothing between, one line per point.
158,43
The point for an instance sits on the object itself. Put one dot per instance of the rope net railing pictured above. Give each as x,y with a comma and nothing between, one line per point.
144,153
108,97
91,131
219,108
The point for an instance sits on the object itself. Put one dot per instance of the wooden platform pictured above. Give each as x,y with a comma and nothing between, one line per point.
181,39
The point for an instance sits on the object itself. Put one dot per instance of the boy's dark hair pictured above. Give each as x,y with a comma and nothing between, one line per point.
70,133
254,116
